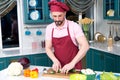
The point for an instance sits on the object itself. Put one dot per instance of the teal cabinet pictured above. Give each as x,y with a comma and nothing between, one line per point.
114,5
16,58
41,60
35,59
118,63
110,62
89,59
101,61
3,64
94,60
98,60
36,12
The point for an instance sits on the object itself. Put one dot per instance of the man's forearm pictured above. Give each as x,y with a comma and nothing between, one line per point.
81,53
51,55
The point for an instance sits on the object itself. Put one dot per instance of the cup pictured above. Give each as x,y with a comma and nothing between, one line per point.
27,32
38,32
35,45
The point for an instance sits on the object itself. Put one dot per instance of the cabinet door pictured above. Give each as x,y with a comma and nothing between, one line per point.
107,5
47,12
3,64
118,3
16,58
102,61
40,60
110,62
36,11
98,60
117,64
95,60
12,59
89,59
33,11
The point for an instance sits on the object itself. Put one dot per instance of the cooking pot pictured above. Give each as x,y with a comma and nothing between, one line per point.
99,37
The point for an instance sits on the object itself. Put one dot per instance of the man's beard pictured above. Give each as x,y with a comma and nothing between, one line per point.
58,23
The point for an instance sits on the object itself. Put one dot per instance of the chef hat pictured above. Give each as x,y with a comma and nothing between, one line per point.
56,6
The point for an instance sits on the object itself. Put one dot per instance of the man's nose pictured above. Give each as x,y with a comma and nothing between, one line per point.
57,18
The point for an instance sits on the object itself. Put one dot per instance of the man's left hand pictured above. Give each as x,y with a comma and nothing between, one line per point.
67,67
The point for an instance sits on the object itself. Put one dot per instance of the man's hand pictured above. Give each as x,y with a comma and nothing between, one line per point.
67,67
56,66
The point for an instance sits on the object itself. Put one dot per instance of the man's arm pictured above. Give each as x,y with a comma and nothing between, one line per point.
84,46
48,47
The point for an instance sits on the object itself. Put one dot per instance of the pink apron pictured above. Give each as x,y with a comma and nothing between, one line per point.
65,50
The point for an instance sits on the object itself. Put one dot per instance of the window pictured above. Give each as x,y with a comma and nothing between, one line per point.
9,29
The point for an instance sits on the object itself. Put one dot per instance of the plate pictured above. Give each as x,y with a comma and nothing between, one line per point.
34,15
32,3
110,12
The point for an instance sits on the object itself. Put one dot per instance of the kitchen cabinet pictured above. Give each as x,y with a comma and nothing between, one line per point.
35,59
110,62
41,60
3,64
101,61
118,63
16,58
36,11
114,5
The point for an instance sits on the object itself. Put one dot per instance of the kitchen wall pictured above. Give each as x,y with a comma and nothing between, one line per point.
100,23
27,41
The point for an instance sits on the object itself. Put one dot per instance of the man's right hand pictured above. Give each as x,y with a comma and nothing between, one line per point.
56,66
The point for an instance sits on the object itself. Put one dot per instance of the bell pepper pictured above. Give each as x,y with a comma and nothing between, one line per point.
27,72
36,69
34,74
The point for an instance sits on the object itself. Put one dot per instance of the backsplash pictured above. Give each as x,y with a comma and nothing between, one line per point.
101,24
34,41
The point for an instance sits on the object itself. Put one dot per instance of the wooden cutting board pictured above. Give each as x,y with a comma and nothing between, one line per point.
58,75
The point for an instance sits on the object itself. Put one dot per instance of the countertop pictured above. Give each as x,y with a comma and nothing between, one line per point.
5,76
104,47
94,45
19,52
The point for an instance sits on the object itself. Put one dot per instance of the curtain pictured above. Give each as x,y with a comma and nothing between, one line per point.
79,6
6,6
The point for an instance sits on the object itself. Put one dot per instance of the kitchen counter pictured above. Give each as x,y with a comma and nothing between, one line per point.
19,52
103,47
4,76
94,45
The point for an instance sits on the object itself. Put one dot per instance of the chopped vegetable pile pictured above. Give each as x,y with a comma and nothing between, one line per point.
109,76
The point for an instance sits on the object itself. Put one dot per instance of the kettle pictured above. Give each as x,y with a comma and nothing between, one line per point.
99,37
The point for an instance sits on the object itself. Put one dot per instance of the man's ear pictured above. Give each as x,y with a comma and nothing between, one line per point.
50,15
65,14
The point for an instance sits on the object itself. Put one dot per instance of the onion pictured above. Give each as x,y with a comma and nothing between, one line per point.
25,62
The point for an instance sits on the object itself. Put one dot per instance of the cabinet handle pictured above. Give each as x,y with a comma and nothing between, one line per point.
118,8
27,7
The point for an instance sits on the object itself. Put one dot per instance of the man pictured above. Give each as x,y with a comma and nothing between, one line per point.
63,38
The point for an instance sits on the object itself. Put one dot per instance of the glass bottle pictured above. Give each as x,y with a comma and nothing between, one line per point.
110,38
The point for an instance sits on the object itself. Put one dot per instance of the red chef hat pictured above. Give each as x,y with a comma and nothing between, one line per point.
56,6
